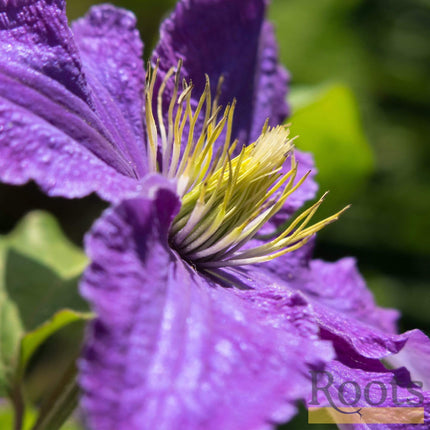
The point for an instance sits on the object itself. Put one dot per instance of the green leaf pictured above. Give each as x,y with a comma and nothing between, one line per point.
32,340
327,121
39,237
39,271
10,332
6,419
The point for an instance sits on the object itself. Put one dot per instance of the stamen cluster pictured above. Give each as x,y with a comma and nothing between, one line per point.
226,199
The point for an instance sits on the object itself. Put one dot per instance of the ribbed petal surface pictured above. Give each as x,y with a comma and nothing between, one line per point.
337,286
111,52
416,357
53,130
30,148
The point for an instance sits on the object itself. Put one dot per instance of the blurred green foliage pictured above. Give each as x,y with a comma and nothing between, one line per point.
39,269
32,340
326,121
6,420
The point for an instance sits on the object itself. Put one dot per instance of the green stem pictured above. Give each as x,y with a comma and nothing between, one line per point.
61,404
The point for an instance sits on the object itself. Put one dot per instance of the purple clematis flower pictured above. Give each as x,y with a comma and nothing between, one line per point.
189,333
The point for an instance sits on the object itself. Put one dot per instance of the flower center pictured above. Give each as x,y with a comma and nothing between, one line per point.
225,199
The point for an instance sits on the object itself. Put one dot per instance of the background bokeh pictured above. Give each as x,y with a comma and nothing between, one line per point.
360,93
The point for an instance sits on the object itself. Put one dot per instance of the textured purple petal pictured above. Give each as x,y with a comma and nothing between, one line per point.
342,304
347,313
337,286
111,52
342,321
30,148
171,349
340,287
271,88
415,356
47,112
46,100
34,33
228,38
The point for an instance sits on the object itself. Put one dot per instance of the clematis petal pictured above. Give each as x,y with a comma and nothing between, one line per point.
341,287
172,349
232,40
272,84
111,51
416,357
43,91
30,148
35,33
358,329
337,286
219,38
